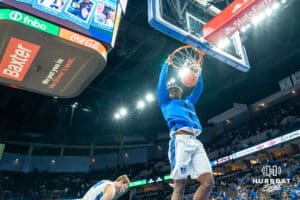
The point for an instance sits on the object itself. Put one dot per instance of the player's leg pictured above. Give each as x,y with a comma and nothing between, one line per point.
178,190
180,158
202,171
207,183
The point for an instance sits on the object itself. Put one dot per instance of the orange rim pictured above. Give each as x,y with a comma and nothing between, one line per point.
185,47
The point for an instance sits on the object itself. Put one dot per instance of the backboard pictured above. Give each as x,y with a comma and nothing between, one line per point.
184,20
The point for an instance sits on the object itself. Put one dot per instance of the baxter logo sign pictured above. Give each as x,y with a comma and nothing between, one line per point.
17,59
27,20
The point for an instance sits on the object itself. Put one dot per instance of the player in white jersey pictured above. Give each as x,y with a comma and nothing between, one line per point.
106,189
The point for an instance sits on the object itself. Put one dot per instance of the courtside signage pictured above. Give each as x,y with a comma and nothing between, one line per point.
17,59
30,21
138,183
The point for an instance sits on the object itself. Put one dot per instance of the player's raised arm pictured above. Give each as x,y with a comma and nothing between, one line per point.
162,90
197,91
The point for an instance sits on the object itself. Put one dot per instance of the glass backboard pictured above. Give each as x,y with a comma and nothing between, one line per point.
184,20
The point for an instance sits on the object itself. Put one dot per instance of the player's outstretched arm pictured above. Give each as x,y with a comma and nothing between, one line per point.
197,91
162,90
109,193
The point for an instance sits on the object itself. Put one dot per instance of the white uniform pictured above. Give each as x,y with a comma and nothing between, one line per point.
187,157
97,190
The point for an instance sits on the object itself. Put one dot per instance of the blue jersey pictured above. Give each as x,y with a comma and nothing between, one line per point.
178,113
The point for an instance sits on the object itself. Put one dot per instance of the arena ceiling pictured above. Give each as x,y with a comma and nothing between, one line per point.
132,70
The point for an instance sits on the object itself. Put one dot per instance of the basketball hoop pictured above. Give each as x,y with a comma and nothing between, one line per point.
188,60
187,57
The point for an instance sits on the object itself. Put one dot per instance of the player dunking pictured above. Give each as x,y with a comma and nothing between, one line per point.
106,189
186,153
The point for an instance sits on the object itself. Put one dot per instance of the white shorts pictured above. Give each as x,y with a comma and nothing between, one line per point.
187,157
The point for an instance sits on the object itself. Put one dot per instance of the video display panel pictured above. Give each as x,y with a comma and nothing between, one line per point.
94,18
